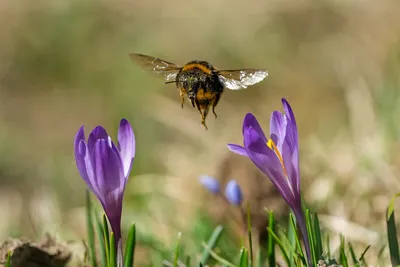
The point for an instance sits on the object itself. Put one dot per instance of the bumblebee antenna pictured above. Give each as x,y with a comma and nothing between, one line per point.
170,82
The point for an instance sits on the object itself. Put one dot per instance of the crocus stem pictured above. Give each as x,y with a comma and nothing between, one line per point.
298,212
120,258
239,221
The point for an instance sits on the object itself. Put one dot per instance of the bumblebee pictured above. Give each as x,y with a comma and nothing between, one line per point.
200,81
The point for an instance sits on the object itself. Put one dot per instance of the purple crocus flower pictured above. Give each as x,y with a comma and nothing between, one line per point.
105,168
277,157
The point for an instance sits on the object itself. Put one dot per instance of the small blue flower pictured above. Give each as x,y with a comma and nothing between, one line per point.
210,183
233,193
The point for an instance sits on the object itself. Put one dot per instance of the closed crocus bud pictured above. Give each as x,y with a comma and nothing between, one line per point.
210,183
233,193
105,168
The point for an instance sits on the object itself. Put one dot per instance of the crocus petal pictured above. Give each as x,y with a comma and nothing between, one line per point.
237,149
267,161
97,133
233,193
251,121
292,157
292,135
288,111
113,208
82,159
291,170
296,170
110,181
107,167
80,152
292,138
210,183
80,136
126,141
277,128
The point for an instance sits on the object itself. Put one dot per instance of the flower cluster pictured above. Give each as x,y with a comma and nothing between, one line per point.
105,166
233,193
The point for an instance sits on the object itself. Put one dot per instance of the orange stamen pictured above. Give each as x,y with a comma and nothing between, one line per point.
273,147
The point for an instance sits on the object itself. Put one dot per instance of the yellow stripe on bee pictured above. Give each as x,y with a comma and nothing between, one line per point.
201,95
196,66
273,147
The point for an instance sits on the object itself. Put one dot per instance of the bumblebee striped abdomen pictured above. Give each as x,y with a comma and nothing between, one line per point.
200,82
205,96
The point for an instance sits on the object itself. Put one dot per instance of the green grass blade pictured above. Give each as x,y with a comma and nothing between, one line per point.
318,238
8,260
187,261
294,239
212,242
244,258
381,250
177,248
259,258
297,256
364,262
381,256
311,237
100,239
249,235
130,247
106,238
216,257
343,257
90,230
328,246
353,255
302,259
113,252
280,245
361,259
271,241
392,233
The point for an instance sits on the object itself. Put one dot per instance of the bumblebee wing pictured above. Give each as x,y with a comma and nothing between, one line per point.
240,79
156,65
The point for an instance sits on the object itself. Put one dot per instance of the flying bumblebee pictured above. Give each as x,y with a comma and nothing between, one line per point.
200,81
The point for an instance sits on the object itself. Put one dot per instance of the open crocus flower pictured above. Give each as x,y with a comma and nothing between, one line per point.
105,168
277,157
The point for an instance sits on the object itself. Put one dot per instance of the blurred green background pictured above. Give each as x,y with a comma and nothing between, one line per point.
64,64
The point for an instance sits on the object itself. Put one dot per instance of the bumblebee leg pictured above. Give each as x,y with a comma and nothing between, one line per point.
193,100
203,122
196,103
204,113
182,94
215,103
